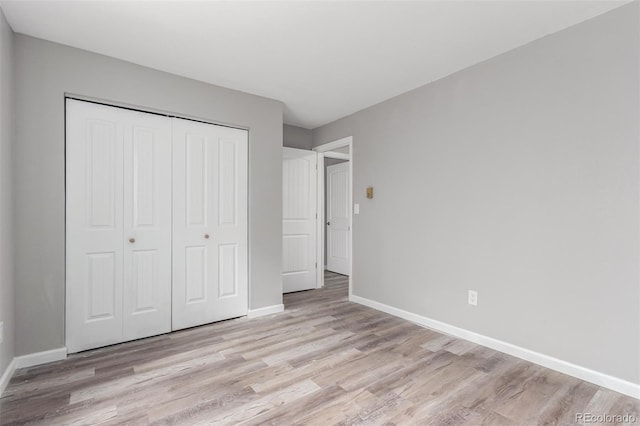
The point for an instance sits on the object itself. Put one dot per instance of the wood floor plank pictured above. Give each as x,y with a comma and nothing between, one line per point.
324,361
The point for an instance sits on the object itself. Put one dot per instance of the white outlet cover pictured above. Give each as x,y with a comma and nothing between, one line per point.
356,208
473,297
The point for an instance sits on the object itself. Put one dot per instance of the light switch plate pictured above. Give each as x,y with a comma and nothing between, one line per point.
1,332
356,208
473,298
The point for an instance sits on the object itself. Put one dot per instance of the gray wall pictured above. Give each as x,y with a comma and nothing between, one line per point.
44,72
6,219
519,178
296,137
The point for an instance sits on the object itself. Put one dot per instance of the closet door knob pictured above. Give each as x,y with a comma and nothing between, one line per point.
132,240
206,236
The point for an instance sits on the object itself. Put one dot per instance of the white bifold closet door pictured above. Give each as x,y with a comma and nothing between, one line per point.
118,225
156,224
209,223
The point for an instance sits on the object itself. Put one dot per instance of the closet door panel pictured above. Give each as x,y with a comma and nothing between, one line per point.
209,223
193,158
231,234
94,250
147,225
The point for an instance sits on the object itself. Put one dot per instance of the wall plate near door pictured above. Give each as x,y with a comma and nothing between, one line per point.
473,298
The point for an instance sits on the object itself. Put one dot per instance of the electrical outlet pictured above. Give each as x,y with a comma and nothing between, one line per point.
356,208
473,297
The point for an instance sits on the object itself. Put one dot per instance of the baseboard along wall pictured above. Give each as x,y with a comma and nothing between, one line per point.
588,375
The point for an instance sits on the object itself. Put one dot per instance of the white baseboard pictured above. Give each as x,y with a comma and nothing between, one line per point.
267,310
38,358
7,375
592,376
30,360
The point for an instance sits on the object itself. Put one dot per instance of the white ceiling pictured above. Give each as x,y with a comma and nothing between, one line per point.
324,60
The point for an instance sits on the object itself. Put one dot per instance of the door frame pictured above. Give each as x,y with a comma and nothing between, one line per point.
326,151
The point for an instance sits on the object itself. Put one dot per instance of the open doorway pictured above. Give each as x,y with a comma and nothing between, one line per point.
335,183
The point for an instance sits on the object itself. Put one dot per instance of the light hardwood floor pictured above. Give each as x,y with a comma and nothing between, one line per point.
323,361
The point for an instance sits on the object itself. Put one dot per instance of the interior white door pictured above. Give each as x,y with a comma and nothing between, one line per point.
117,188
338,226
210,259
299,215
